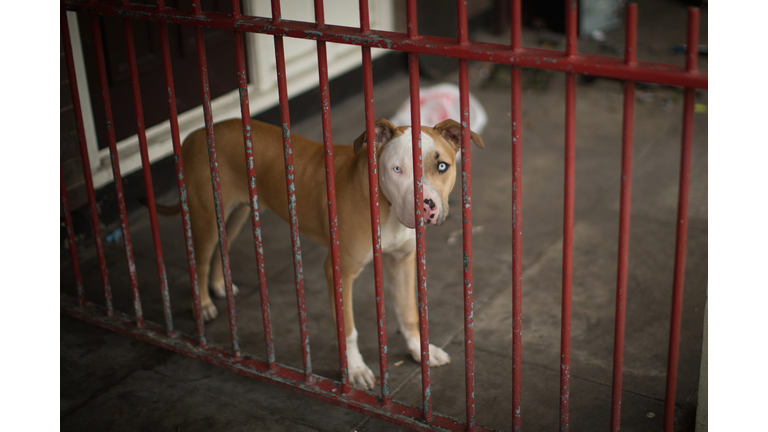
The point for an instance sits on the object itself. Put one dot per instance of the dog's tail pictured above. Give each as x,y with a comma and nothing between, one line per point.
165,210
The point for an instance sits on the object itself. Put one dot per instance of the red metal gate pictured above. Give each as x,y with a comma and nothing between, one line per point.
340,393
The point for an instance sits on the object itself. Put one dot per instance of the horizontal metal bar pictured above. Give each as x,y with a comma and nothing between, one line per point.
609,67
284,376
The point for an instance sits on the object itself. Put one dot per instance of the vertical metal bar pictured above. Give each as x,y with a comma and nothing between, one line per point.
181,183
466,213
624,218
373,190
682,223
330,183
570,179
71,240
570,188
86,163
515,25
517,219
412,24
571,27
245,113
218,204
147,170
365,20
418,199
291,187
118,180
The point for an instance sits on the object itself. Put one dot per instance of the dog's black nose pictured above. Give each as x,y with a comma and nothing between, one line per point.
430,203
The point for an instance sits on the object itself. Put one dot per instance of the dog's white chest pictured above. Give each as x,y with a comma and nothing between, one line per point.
396,238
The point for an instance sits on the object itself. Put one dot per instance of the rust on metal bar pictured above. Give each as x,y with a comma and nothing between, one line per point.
133,69
298,268
418,199
181,183
93,210
114,159
466,213
373,191
333,218
245,113
216,183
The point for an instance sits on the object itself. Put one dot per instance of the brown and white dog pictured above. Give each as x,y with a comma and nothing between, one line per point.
393,146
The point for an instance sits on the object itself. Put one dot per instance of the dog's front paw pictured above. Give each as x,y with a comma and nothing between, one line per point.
209,311
220,292
362,377
437,356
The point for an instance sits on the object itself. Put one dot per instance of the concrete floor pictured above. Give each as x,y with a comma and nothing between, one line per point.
113,382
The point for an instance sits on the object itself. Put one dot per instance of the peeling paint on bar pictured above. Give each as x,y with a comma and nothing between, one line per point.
333,221
146,167
373,192
245,114
421,268
92,207
218,205
292,205
466,213
116,175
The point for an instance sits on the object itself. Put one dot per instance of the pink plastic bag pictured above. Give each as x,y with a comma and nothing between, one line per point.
441,102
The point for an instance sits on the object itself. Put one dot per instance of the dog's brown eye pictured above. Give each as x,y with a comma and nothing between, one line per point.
442,167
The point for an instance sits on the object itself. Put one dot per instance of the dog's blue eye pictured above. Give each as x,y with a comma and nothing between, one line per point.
396,169
442,167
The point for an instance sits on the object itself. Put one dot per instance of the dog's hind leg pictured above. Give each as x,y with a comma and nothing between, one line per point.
205,238
235,221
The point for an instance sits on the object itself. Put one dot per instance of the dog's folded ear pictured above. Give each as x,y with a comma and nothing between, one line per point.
450,130
384,131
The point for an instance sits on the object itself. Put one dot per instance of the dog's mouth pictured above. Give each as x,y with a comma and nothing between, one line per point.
430,221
